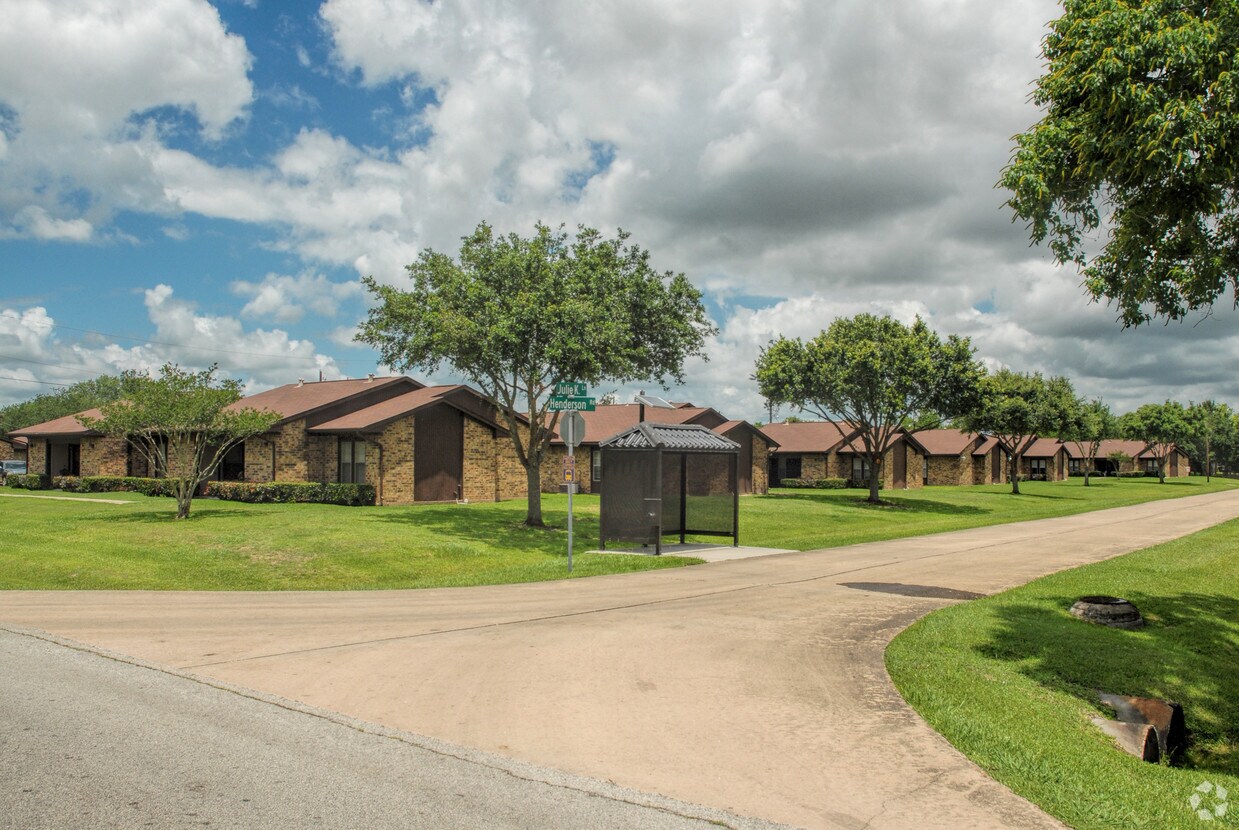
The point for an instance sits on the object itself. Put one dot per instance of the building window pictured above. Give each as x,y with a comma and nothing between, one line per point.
925,470
595,465
352,461
1074,466
791,468
1151,467
1037,469
860,468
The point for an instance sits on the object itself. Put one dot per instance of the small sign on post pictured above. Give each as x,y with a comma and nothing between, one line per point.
566,403
571,390
569,469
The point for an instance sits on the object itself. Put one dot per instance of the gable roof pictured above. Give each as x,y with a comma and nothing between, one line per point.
296,400
1109,445
945,441
986,447
611,419
1043,448
376,416
809,436
67,427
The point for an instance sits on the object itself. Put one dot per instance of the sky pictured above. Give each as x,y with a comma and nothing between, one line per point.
205,183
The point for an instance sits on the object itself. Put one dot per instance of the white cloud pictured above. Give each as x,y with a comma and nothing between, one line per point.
285,298
35,222
75,76
31,349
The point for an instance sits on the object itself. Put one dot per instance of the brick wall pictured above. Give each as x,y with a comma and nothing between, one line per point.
479,473
258,459
950,470
9,453
761,466
104,456
396,445
290,453
510,473
322,458
36,456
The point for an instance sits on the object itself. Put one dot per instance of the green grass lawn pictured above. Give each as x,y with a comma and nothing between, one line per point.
1010,680
234,546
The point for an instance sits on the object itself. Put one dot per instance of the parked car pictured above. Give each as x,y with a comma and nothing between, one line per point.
8,468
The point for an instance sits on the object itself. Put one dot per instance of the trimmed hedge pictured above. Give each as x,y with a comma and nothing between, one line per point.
283,492
114,484
1132,474
821,484
27,481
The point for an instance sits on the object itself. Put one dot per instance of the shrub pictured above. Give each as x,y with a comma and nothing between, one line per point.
1132,474
793,482
114,484
28,481
284,492
831,483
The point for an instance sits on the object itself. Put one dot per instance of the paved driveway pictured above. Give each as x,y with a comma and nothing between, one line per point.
755,686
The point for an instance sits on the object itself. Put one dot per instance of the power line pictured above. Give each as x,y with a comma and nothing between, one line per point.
44,382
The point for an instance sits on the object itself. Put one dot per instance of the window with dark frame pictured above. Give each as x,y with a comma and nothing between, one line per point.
352,461
1037,468
595,465
1074,465
791,469
860,468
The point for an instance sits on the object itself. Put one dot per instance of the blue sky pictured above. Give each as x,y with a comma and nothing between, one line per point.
206,183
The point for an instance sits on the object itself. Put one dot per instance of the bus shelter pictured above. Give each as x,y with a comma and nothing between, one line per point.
669,479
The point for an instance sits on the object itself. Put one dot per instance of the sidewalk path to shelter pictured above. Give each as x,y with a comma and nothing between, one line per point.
756,686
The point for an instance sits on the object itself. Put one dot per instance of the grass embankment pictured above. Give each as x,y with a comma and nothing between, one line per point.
234,546
1011,681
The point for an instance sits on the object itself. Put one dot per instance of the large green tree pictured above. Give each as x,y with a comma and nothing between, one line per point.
1211,433
183,423
1088,423
1017,408
48,406
1140,142
883,377
516,315
1161,426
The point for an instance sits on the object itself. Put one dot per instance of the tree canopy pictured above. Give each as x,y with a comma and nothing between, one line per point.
1087,424
1211,433
182,423
1015,408
48,406
881,376
516,315
1140,140
1162,426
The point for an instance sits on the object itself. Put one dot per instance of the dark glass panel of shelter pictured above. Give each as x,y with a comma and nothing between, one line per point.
710,493
628,514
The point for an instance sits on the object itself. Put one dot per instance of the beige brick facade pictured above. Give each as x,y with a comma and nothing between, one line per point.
36,456
761,466
105,456
259,461
391,471
950,470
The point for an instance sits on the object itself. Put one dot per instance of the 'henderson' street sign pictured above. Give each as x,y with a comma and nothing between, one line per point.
564,403
569,389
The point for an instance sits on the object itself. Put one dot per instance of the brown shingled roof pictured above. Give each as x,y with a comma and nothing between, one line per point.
809,436
380,414
1043,448
1132,448
68,426
295,400
945,441
612,419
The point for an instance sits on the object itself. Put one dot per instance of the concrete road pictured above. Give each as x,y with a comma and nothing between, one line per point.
92,742
754,686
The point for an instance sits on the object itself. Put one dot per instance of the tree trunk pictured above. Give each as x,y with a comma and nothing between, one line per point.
875,478
184,496
1161,472
533,481
1014,472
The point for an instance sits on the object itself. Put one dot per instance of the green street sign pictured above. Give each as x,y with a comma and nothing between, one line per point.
571,390
566,403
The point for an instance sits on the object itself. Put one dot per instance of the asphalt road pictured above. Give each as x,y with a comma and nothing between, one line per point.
87,741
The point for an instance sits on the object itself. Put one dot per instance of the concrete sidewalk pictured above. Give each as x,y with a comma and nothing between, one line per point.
755,686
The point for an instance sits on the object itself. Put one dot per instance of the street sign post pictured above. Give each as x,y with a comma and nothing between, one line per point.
570,403
572,430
